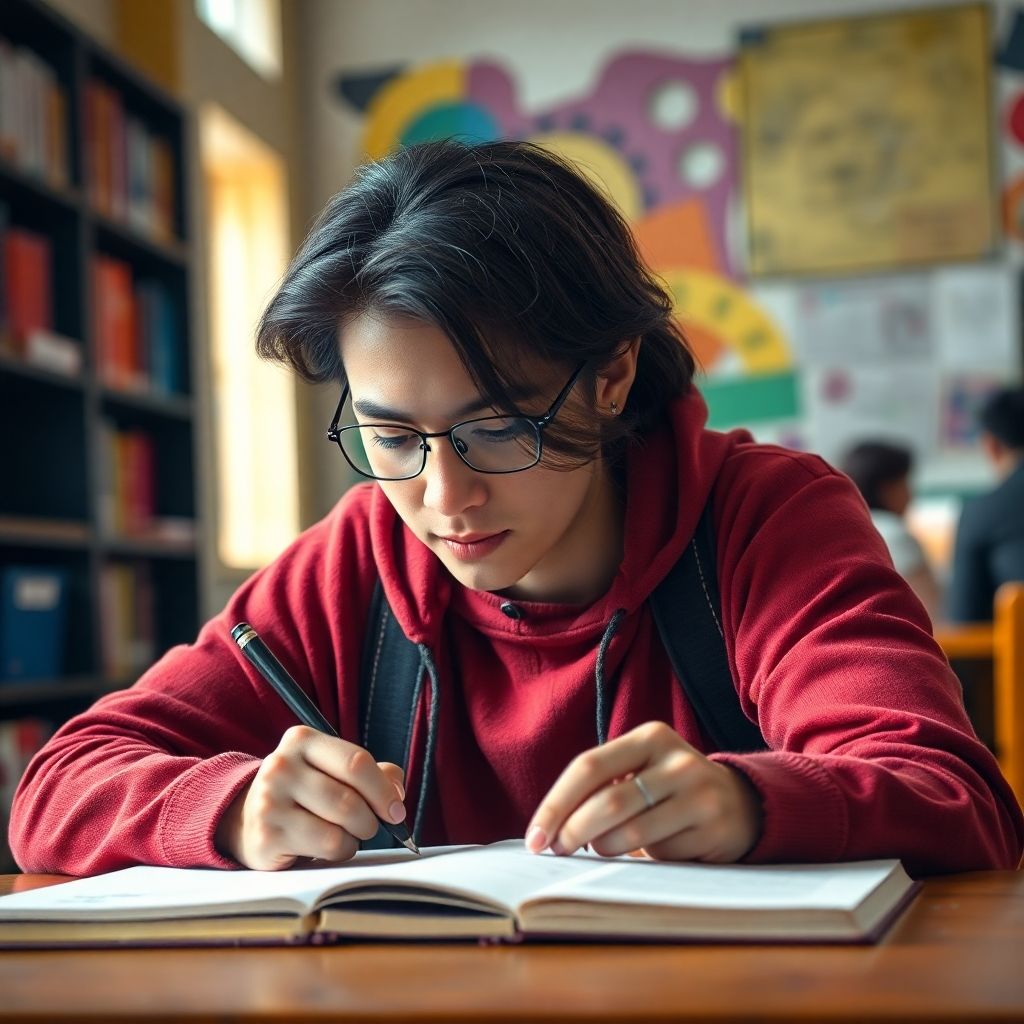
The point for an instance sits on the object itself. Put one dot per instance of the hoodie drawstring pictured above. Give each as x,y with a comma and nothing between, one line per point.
603,704
426,662
603,711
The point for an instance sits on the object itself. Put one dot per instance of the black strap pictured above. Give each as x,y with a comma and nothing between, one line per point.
686,608
389,683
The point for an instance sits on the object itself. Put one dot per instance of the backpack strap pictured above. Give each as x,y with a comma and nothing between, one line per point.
390,680
686,608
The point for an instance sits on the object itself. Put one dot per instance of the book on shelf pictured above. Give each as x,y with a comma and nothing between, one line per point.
127,481
26,301
136,332
33,619
33,115
499,892
127,619
130,169
19,740
27,282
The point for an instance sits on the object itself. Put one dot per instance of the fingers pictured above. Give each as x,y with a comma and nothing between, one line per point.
597,774
649,790
355,768
314,796
396,775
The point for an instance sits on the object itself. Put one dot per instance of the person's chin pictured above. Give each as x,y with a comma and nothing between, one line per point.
485,574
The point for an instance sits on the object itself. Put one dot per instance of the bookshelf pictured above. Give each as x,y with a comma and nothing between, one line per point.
97,416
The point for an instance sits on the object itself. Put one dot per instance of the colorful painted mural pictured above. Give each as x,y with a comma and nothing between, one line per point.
658,134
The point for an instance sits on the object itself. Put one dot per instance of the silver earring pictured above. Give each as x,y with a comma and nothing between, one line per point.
614,408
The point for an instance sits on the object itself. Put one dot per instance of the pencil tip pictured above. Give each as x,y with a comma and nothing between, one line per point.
410,845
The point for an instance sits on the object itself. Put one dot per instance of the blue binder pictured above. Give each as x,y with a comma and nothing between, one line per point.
33,614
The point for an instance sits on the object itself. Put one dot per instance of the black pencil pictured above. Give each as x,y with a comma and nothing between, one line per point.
294,696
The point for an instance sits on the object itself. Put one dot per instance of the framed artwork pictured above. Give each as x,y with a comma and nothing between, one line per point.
867,142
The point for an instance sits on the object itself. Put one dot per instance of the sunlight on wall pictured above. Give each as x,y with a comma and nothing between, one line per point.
250,27
253,401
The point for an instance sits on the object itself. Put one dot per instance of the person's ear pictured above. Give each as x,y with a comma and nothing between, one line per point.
616,379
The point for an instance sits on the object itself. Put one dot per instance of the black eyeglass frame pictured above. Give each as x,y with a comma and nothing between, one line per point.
539,424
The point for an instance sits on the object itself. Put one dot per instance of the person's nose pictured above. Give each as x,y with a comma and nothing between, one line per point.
450,486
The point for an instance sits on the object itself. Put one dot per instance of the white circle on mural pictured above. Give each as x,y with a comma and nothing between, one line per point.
674,105
701,164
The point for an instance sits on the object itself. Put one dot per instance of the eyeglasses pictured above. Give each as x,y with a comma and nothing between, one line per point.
489,444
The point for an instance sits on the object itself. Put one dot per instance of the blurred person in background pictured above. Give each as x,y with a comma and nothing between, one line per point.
990,537
881,472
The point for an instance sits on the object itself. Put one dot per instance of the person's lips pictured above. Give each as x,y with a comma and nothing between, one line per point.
471,546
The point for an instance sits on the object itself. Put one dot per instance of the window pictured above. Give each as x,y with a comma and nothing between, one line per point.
256,458
250,27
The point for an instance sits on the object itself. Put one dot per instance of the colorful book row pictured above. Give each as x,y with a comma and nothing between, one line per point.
130,169
26,300
138,346
128,482
127,618
33,115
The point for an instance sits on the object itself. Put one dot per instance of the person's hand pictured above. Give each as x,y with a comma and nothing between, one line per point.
314,796
686,807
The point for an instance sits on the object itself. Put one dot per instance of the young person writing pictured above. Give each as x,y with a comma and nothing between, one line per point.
514,383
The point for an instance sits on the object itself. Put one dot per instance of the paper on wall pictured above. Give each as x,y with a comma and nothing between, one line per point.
976,319
845,404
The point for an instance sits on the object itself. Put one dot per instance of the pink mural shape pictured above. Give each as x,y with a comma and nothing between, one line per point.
694,158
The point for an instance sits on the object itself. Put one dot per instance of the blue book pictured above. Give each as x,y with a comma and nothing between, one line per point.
33,617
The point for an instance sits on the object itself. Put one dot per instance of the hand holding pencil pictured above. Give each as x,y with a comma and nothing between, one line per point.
316,795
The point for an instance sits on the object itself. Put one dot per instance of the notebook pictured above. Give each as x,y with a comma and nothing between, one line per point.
499,892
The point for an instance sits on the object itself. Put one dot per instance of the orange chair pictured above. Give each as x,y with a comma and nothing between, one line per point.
1008,683
1002,643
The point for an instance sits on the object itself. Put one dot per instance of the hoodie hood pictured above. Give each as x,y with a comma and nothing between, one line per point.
669,476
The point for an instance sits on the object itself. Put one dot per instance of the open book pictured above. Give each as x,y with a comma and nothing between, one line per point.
498,892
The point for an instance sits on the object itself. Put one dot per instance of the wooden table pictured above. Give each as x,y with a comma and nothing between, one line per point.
956,955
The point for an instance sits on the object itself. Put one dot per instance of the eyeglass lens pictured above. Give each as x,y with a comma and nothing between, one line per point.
496,444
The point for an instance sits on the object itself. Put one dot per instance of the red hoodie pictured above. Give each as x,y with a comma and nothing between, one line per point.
871,752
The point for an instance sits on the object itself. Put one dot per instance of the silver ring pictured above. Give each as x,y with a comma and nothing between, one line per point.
644,791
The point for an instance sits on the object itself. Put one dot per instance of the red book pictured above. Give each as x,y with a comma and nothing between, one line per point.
143,482
28,297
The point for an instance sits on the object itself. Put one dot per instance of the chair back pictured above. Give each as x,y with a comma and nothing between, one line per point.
1008,683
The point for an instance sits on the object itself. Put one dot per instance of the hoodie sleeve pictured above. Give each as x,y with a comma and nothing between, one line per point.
144,776
872,753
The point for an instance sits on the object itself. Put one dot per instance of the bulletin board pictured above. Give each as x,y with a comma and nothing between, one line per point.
863,148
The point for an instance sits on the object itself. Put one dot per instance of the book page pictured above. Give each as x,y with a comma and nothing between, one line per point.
725,886
141,892
501,875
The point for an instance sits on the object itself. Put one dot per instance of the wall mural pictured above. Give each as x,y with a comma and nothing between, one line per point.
658,134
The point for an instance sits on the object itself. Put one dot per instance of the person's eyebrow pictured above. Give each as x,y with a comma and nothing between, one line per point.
373,410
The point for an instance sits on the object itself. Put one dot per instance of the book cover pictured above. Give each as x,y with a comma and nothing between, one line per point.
33,601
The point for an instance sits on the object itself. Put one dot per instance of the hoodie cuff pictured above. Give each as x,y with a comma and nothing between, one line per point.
804,813
195,807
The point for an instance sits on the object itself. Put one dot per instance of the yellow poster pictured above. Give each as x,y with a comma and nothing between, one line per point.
866,142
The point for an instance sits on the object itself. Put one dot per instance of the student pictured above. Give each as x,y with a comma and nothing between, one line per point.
989,548
881,472
524,395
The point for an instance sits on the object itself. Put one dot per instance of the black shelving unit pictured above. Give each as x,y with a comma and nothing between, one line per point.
51,425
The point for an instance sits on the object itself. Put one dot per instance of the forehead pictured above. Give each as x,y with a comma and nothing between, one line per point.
378,346
382,352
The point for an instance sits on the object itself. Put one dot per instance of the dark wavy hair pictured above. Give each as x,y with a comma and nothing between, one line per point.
510,252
